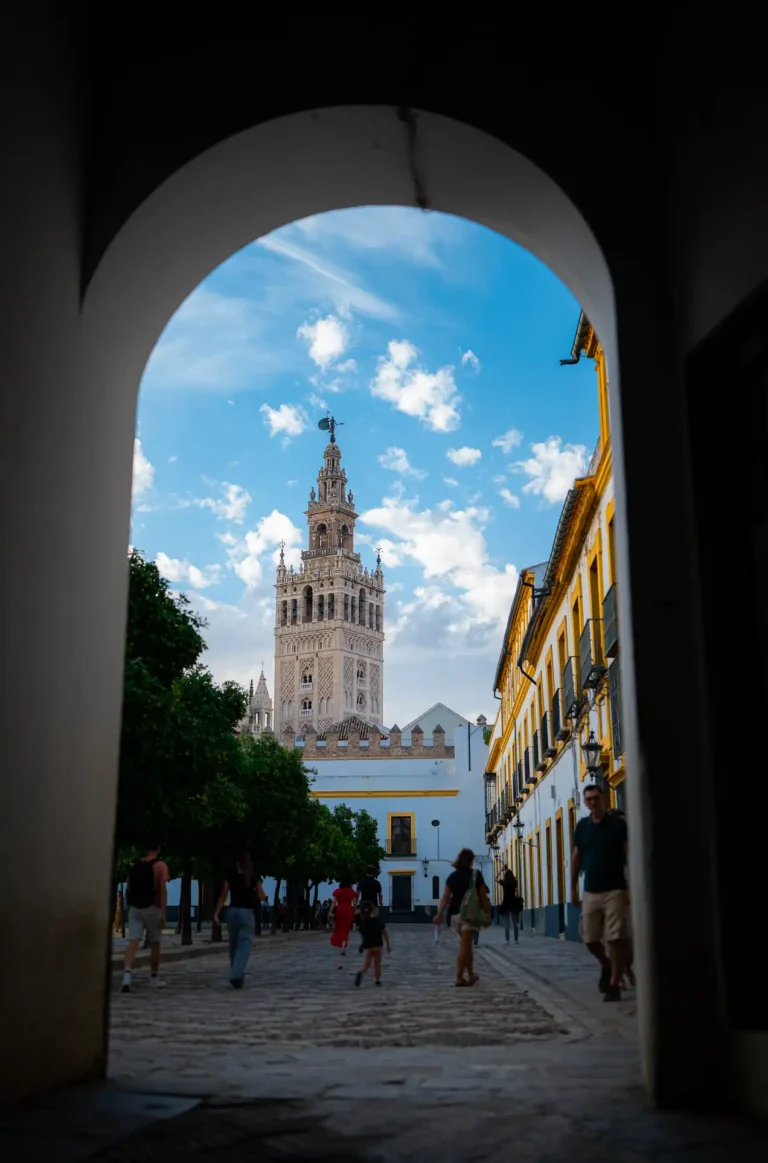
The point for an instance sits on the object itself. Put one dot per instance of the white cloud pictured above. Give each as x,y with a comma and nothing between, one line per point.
396,460
246,558
452,484
430,396
508,440
474,498
500,479
143,471
176,570
462,457
172,459
318,402
470,359
552,468
227,538
287,418
328,339
449,546
509,498
291,483
230,507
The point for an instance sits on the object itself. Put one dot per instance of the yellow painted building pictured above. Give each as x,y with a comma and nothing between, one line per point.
559,687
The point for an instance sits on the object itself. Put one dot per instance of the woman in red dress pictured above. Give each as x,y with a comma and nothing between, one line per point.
345,899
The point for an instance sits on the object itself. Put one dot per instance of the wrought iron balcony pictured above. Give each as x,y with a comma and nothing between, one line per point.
592,667
539,762
547,746
573,699
519,782
611,622
530,778
402,846
614,695
559,726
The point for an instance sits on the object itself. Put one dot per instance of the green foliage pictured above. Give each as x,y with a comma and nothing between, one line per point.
187,779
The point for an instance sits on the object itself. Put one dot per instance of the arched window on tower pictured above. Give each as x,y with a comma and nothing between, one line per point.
370,615
307,603
321,608
361,703
346,607
331,607
346,537
284,613
362,607
294,611
378,617
321,536
353,609
306,709
361,672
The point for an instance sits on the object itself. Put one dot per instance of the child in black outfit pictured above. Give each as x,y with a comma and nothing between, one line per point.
375,935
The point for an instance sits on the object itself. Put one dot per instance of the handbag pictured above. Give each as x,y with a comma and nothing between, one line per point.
474,911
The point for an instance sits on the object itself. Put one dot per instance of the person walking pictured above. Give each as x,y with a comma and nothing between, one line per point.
375,935
600,851
369,890
345,900
147,896
509,908
245,893
469,912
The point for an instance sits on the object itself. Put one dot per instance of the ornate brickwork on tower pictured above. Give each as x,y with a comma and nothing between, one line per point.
329,617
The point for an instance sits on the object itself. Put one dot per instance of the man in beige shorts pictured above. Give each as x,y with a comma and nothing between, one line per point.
600,851
147,894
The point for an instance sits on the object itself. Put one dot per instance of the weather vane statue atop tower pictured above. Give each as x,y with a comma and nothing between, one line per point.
329,424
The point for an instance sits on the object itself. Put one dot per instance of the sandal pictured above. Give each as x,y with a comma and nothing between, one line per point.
474,979
461,982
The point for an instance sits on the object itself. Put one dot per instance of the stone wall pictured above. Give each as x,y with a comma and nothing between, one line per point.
373,748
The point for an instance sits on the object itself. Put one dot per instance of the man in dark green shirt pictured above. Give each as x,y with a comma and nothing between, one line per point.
600,852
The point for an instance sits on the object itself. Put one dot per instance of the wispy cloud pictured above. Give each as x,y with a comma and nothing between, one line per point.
176,570
336,283
143,471
394,231
509,499
396,460
231,507
287,419
469,359
552,468
509,440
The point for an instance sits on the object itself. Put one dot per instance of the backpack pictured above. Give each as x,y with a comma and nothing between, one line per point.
141,884
474,911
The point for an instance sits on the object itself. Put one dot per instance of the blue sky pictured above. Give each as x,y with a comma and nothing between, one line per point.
436,342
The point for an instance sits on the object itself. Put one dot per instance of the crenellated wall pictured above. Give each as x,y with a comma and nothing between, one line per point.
375,747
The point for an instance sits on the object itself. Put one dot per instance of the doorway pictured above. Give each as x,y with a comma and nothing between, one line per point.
402,892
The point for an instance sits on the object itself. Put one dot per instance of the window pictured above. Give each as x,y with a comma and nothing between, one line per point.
550,890
361,703
401,839
435,888
612,550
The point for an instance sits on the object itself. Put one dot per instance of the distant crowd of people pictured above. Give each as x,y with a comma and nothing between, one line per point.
599,853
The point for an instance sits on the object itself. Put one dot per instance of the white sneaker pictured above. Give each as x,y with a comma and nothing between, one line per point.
127,981
156,982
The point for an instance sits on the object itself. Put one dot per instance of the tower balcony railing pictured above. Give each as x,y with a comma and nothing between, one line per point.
305,713
305,686
361,680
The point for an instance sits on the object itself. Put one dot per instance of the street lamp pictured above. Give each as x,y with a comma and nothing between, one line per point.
592,751
425,865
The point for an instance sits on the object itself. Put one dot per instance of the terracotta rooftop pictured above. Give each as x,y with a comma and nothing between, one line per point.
347,726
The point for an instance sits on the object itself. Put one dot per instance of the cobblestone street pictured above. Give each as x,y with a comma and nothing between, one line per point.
300,1065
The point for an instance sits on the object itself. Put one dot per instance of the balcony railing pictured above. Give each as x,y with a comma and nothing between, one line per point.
539,762
305,713
611,622
592,666
361,680
573,699
559,726
527,769
305,686
519,783
548,747
614,694
401,847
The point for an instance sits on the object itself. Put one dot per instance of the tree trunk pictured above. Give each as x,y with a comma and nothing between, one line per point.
216,936
186,909
275,905
199,906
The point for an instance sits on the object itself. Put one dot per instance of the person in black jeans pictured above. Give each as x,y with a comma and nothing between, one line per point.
509,907
245,896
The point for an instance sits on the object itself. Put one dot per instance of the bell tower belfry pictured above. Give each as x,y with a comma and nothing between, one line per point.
329,615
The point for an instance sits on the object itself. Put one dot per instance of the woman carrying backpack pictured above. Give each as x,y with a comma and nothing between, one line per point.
468,904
